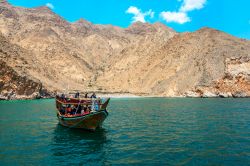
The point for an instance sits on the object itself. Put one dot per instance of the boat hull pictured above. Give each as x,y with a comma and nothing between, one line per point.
88,122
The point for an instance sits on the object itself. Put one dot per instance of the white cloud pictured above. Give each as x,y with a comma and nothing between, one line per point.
138,14
189,5
181,16
133,10
50,5
178,17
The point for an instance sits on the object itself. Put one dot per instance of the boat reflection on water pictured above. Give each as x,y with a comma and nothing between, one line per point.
78,146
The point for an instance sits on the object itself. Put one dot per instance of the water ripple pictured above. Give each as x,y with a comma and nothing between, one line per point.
150,131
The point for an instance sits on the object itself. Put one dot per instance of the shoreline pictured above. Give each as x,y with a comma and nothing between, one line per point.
112,95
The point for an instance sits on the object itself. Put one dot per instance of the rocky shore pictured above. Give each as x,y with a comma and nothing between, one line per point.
207,94
12,96
189,94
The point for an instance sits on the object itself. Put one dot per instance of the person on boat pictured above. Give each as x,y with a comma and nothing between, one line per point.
84,110
63,96
62,110
68,109
86,95
94,102
87,110
73,111
79,109
77,95
93,95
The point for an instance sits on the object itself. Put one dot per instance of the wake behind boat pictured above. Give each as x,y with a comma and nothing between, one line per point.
84,113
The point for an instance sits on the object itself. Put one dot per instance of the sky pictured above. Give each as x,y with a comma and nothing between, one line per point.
230,16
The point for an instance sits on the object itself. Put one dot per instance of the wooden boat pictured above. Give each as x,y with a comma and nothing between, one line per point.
81,115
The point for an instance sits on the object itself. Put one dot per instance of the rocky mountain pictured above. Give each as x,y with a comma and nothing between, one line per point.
40,51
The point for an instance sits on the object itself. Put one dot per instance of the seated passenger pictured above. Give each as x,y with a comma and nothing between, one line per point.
62,111
78,111
77,95
83,110
87,110
73,111
68,109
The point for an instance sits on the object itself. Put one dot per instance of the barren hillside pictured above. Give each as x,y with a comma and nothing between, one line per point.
143,59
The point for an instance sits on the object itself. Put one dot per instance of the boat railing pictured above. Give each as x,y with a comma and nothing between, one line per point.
72,103
83,101
72,96
78,100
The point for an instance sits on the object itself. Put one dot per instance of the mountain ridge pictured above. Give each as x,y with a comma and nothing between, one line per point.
142,59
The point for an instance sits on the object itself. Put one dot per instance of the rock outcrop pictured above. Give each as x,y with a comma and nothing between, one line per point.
17,84
143,59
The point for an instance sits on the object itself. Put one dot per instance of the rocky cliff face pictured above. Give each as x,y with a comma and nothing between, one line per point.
12,83
143,59
15,80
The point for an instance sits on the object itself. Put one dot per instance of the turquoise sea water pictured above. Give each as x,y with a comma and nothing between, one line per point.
140,131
